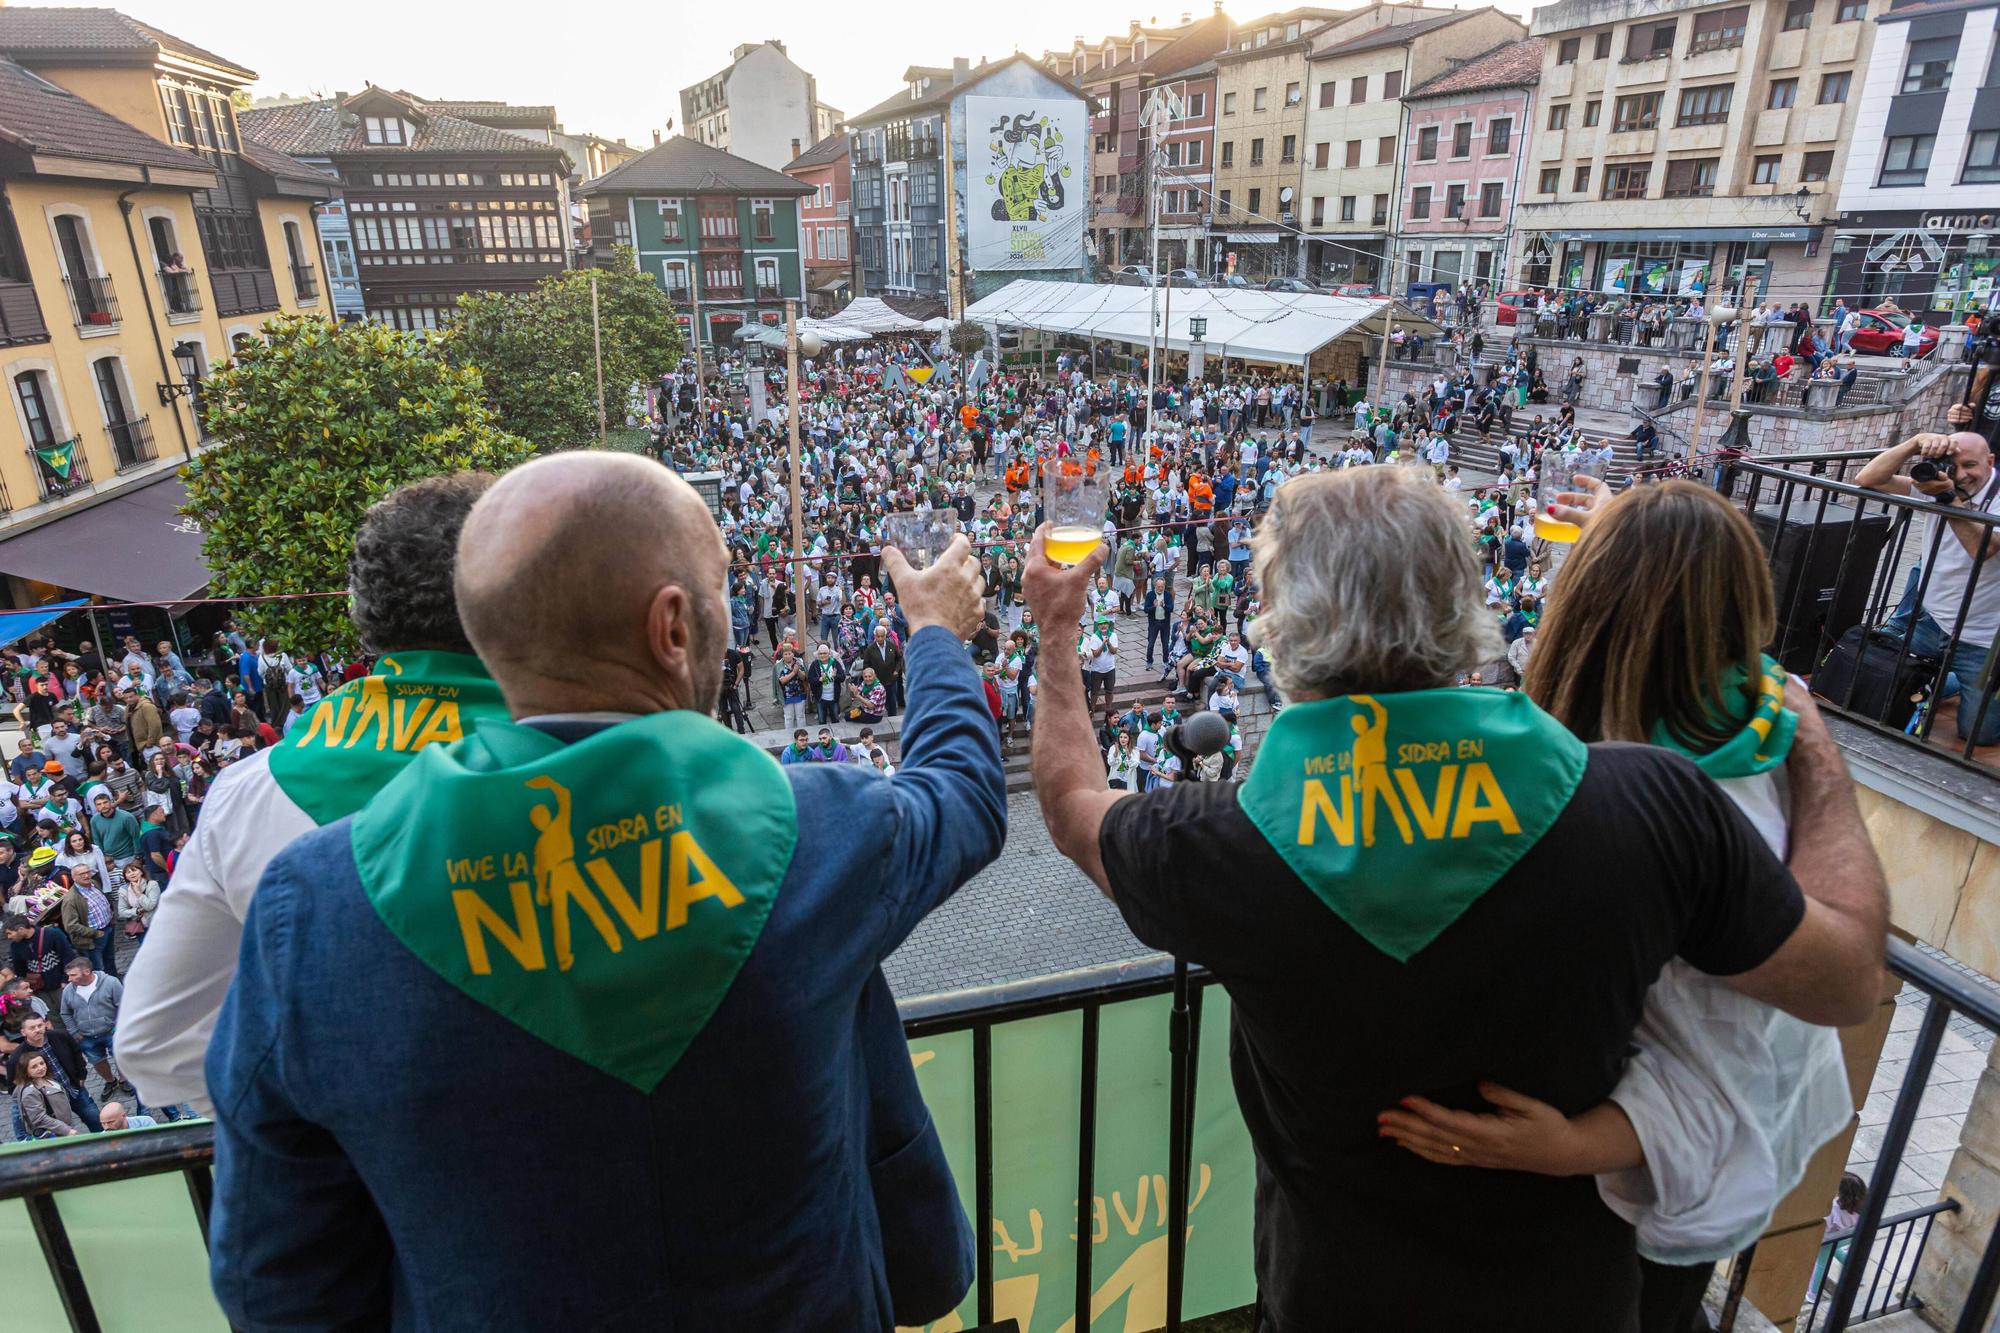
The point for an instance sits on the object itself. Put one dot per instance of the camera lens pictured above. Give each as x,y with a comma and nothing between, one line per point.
1924,470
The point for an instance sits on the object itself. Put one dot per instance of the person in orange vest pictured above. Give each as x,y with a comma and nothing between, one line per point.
1201,498
1091,460
1017,477
968,415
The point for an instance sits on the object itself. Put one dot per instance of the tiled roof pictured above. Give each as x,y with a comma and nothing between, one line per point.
41,31
284,167
485,111
1395,34
830,149
324,128
902,104
685,166
38,117
1515,65
1197,42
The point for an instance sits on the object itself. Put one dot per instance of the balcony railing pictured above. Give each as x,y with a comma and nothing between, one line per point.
131,442
93,302
61,469
180,292
305,283
766,292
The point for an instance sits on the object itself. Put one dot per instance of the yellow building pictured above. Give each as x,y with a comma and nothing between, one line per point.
140,238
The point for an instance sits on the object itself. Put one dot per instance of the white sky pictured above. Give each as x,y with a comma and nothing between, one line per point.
616,68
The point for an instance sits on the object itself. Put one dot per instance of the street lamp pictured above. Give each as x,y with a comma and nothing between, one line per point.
797,344
1197,353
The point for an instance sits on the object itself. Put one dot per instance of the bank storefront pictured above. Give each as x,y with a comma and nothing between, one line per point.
1656,261
1937,265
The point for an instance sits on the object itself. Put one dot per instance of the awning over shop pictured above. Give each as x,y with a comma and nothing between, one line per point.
1252,237
134,547
1668,234
18,625
1281,327
828,279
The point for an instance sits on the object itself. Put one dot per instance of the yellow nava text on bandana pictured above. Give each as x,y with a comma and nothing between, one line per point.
1399,811
601,895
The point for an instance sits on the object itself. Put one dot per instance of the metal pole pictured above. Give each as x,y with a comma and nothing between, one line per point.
798,477
1742,356
1153,302
597,349
1388,331
1701,388
700,392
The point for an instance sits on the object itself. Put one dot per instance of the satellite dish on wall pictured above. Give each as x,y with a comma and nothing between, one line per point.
1285,195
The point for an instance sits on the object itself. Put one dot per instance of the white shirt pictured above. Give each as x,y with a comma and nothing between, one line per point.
1953,566
177,982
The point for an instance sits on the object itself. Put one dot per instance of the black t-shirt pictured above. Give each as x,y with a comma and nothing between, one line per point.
1537,986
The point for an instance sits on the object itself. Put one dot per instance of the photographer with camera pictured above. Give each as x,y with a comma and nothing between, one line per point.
1955,471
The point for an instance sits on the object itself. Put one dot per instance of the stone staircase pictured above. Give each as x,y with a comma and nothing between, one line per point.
1479,461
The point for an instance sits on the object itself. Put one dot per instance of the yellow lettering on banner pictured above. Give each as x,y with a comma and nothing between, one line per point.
685,854
328,722
1375,787
406,725
1316,805
1432,815
1472,809
375,709
643,917
1005,1243
523,940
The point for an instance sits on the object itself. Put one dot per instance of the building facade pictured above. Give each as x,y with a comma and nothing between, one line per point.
1692,148
437,206
1184,72
1462,162
761,107
826,223
718,233
141,237
1920,199
1351,150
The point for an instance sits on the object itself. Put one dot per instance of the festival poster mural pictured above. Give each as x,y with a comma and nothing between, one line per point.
1027,187
1036,1085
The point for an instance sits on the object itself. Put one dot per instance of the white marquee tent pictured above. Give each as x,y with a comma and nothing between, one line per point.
1280,327
871,314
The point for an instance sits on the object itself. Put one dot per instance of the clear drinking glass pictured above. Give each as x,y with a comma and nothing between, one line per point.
1073,500
1557,477
921,537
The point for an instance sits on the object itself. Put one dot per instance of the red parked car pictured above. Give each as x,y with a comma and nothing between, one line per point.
1510,305
1879,332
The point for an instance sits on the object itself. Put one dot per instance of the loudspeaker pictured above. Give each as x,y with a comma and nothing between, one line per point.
1818,601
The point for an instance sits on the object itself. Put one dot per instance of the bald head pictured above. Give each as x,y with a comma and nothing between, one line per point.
595,580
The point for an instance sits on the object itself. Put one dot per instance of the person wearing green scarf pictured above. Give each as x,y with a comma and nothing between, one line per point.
598,898
1418,889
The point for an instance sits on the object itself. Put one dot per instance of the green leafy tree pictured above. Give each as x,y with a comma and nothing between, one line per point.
967,337
317,422
535,349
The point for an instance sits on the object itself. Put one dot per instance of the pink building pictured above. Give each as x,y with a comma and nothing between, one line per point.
826,227
1463,154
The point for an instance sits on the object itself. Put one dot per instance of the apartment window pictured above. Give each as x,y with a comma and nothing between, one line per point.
1850,11
1783,93
1580,182
1392,84
221,116
763,220
1256,201
384,129
1420,203
1705,106
1347,208
1288,149
1650,41
1627,180
1499,134
1222,203
1228,152
31,387
1256,152
1427,143
1320,154
1381,210
1326,93
1454,202
1197,106
670,219
1357,91
1640,111
1764,169
1174,153
1229,104
1489,199
1719,29
1551,180
1692,178
1568,49
1353,153
1816,166
1559,117
1602,50
1906,159
1461,139
1592,110
1833,87
1194,152
1927,67
1258,96
1291,94
1798,14
1982,157
174,102
676,272
1319,210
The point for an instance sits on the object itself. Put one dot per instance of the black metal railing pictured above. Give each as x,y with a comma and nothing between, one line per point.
131,442
1904,1236
305,283
180,291
1845,556
93,302
57,482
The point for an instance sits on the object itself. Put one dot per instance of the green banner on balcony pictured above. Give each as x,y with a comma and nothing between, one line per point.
60,459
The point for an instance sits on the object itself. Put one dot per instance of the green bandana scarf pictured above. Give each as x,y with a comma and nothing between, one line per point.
1765,739
604,915
1400,810
363,734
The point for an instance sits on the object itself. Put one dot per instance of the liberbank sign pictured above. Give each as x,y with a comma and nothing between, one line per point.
1696,234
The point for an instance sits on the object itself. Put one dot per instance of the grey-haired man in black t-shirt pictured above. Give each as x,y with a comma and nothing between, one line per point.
1418,888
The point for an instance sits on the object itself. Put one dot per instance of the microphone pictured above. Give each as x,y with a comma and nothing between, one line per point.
1196,736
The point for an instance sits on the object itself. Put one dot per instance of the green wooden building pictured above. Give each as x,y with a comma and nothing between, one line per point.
720,234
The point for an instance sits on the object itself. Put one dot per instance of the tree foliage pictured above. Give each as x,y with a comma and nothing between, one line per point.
316,423
535,349
967,337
